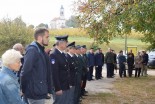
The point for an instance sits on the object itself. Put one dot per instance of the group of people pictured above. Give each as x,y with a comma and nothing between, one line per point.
38,73
62,71
139,63
129,63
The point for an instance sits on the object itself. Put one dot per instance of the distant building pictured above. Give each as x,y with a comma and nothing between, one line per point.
59,22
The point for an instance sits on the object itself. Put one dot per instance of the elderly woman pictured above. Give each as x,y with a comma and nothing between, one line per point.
9,87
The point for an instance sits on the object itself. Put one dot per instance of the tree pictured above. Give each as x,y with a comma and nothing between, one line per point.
105,19
72,22
31,26
14,31
43,25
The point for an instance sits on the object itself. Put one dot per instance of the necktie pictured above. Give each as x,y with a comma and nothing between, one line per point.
63,54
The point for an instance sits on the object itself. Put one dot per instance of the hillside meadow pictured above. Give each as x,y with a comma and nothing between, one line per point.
81,37
117,43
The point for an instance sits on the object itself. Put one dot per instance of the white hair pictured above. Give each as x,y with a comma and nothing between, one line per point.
10,57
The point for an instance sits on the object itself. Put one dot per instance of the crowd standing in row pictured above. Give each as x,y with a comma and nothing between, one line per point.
62,71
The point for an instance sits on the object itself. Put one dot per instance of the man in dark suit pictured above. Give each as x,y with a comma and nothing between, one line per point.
73,70
91,63
98,64
85,70
60,69
78,78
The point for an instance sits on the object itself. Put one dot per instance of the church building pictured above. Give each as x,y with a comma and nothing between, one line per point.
59,22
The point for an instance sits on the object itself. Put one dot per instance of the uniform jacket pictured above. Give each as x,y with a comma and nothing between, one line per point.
73,69
91,59
60,70
36,79
84,64
98,59
121,59
9,87
78,63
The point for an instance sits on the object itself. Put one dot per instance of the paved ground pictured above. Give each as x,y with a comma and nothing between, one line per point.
104,85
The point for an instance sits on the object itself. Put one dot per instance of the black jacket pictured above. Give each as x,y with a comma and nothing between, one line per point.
36,79
145,58
73,69
60,70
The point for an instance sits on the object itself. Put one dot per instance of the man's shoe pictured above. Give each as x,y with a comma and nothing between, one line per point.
85,92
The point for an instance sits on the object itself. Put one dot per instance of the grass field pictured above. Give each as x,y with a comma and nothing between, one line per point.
127,91
117,43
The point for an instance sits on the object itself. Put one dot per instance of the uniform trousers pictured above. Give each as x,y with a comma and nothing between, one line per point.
122,70
110,67
62,99
40,101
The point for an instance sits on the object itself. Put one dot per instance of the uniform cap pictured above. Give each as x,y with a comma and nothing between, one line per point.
78,47
84,46
62,38
72,44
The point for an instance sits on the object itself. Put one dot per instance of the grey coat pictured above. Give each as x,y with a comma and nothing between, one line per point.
138,61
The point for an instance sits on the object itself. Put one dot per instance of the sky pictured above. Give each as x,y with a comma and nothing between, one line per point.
35,11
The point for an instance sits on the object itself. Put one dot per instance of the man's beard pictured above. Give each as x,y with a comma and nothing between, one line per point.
44,43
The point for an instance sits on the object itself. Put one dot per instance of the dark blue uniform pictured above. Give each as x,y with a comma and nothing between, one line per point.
85,71
78,79
72,73
122,60
91,63
60,69
98,65
73,69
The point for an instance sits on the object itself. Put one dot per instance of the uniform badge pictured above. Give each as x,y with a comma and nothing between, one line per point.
53,61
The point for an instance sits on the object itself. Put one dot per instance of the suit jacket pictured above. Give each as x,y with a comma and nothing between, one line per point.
73,69
60,70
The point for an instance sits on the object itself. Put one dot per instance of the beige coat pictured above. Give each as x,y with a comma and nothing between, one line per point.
138,61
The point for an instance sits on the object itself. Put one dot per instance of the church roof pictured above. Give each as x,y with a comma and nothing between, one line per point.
57,18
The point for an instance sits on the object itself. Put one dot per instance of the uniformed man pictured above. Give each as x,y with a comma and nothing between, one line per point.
98,64
109,60
78,75
60,69
91,63
85,70
73,70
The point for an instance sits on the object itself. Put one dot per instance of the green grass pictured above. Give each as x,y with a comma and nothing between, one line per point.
117,43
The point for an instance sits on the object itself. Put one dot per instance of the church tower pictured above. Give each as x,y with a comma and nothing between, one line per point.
62,12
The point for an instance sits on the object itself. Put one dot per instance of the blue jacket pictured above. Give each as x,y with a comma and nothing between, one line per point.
36,79
99,59
91,59
9,87
121,59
